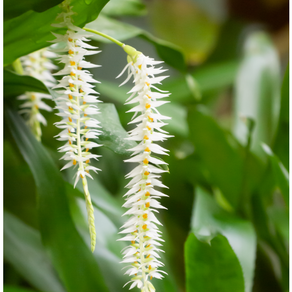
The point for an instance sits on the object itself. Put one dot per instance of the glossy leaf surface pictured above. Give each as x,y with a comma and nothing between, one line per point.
209,219
212,266
24,250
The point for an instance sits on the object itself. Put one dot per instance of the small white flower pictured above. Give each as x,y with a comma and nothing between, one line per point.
37,65
141,228
75,104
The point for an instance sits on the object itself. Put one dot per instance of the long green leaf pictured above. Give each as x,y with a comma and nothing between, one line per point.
281,140
227,165
70,256
212,266
218,154
31,31
209,219
24,251
14,8
15,84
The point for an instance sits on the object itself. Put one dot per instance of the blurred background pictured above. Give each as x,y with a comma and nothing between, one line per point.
227,100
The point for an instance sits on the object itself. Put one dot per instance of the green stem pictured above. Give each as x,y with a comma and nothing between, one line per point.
18,67
104,35
90,215
89,207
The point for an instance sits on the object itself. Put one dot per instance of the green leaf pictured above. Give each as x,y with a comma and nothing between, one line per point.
57,229
218,152
167,51
257,91
15,84
209,78
24,251
280,173
212,266
113,134
124,7
281,140
23,192
31,31
170,53
209,219
14,8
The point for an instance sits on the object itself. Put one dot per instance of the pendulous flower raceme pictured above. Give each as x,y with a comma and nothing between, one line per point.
39,66
75,104
141,228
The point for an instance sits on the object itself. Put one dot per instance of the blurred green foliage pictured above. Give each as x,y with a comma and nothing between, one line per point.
226,227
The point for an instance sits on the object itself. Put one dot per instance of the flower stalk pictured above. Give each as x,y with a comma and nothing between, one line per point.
104,35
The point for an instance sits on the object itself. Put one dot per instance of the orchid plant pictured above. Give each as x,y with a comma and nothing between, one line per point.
76,103
206,200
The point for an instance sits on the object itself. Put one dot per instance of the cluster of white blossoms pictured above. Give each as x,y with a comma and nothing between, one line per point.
39,66
141,228
75,104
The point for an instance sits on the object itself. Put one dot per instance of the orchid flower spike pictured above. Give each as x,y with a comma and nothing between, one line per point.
39,66
141,228
76,104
